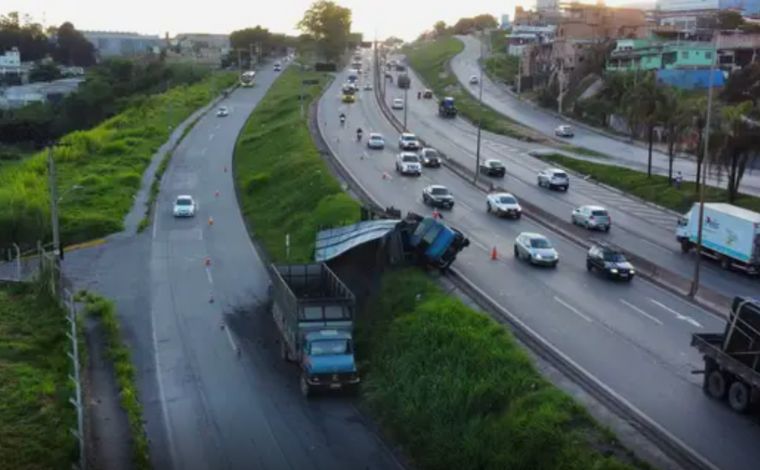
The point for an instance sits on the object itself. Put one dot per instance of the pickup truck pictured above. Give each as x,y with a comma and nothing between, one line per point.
314,312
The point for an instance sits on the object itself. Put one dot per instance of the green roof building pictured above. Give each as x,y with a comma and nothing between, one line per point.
654,54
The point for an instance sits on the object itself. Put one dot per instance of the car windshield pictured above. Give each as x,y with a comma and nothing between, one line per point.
430,153
540,243
439,191
408,137
599,213
495,164
560,174
329,347
613,257
409,158
376,137
184,202
507,200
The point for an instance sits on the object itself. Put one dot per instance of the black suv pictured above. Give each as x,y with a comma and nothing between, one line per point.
610,261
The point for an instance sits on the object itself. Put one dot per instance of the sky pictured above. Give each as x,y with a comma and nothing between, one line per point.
402,18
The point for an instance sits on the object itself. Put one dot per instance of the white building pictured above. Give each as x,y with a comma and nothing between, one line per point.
10,62
38,92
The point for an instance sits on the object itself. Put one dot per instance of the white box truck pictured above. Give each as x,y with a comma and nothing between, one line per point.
730,235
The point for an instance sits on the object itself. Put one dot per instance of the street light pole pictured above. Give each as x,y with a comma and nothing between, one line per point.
480,114
405,95
53,204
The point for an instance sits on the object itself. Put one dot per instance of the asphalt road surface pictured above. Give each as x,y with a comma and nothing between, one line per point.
465,65
215,392
632,337
640,228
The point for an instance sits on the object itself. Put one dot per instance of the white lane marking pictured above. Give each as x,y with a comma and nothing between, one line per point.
161,394
677,314
208,276
211,137
478,244
466,206
231,339
638,310
203,151
155,220
572,309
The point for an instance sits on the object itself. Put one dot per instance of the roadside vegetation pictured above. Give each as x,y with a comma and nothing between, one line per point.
35,415
99,170
284,187
455,389
656,188
499,65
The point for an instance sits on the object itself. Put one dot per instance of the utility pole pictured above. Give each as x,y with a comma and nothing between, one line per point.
405,95
240,62
250,55
53,205
519,73
480,115
561,82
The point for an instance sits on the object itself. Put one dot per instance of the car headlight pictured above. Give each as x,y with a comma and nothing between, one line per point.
633,271
538,256
614,270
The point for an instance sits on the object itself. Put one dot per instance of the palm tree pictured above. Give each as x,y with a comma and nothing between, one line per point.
676,117
644,107
739,144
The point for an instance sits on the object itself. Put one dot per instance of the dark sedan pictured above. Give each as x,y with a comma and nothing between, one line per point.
493,167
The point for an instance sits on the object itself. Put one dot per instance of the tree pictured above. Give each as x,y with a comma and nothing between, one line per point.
72,48
643,108
329,24
44,72
27,36
738,144
485,21
676,119
439,28
464,26
393,41
728,19
743,85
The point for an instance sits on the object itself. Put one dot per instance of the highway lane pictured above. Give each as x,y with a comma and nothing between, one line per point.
465,64
225,397
643,229
634,338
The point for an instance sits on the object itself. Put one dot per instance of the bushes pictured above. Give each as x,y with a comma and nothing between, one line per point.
456,390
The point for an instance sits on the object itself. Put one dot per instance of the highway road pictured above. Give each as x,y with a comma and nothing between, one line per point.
640,228
465,65
632,337
215,392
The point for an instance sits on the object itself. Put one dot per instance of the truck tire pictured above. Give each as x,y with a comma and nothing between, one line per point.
739,397
725,262
284,351
716,384
306,389
685,246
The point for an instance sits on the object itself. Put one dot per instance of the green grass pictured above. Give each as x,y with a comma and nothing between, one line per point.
584,151
454,388
283,185
107,162
119,354
502,67
35,414
430,60
654,189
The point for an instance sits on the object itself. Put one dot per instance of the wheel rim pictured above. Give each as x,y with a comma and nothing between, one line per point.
304,387
738,397
716,384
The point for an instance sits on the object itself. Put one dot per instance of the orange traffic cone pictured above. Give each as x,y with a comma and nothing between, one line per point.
211,221
494,254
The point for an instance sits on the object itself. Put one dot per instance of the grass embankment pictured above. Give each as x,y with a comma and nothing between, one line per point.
35,414
117,351
655,189
456,391
430,61
106,163
284,186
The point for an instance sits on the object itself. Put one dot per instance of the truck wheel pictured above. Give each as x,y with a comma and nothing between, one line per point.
739,396
685,246
725,262
306,390
715,384
488,207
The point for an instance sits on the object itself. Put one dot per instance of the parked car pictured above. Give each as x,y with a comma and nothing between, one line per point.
493,167
553,178
609,260
408,141
408,163
430,157
184,206
438,196
222,111
474,80
427,94
503,204
564,131
376,141
536,249
592,217
398,103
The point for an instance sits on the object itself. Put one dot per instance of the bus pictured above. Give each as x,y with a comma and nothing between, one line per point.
246,79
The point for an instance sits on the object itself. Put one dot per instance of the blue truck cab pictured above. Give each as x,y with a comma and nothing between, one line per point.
446,107
438,243
328,360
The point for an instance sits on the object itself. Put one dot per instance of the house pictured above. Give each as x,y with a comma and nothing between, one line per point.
38,92
122,44
525,35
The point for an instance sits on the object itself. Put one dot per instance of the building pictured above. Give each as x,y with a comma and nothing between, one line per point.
202,47
523,36
505,23
38,92
547,5
653,54
123,44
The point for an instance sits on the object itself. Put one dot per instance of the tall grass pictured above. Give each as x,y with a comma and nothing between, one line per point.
107,162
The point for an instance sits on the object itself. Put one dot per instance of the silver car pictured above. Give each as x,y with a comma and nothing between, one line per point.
553,178
592,217
184,206
376,141
536,249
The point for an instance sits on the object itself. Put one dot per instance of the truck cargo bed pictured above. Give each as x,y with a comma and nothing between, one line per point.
710,345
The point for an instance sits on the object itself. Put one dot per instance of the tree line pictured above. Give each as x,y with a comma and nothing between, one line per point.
64,44
466,25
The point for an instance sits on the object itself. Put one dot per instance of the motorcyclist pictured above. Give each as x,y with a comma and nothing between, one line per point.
359,134
419,94
342,119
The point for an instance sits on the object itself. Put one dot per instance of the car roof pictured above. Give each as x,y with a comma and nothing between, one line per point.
532,235
409,153
437,186
408,134
503,194
397,99
184,196
374,135
493,160
555,170
594,208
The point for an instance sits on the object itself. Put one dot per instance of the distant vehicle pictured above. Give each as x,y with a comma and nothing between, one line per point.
184,206
493,167
277,67
400,68
564,131
408,141
609,260
403,81
730,235
474,80
446,107
430,157
348,88
222,111
431,241
427,94
503,204
357,64
353,75
408,163
553,178
398,103
314,314
536,249
368,86
438,196
376,141
592,217
732,371
348,98
247,78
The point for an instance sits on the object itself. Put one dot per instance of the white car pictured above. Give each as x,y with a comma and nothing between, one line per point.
592,217
277,67
474,80
222,111
563,131
553,178
376,141
408,163
536,249
367,86
184,206
503,204
408,141
398,103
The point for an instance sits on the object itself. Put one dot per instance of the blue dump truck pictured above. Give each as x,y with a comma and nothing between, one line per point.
314,313
446,108
430,241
